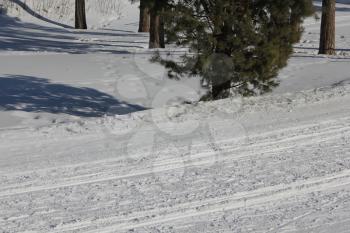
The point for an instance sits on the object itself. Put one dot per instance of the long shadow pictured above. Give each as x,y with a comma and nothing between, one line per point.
339,9
343,9
16,35
124,33
25,7
32,94
105,32
20,36
311,48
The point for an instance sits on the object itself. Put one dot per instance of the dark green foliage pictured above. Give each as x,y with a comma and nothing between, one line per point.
236,46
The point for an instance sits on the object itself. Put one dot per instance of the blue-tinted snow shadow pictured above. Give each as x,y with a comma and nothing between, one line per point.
32,94
16,35
30,11
316,50
338,8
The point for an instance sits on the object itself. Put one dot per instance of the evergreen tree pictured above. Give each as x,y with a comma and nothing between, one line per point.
80,16
299,8
235,45
327,37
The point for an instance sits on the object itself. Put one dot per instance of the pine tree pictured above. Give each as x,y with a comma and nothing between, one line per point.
327,37
299,8
236,46
80,16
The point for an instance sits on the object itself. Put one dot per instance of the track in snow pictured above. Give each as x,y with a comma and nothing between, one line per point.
289,174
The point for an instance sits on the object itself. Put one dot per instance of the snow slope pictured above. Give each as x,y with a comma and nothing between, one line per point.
102,61
275,163
99,13
268,164
307,69
114,61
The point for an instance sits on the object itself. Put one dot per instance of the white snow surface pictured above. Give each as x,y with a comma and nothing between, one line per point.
77,154
100,14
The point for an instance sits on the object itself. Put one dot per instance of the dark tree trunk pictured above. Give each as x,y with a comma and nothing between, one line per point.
154,32
327,39
144,22
221,84
162,32
156,39
80,17
218,89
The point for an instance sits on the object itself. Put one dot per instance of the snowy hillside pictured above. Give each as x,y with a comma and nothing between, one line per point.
282,167
95,138
99,13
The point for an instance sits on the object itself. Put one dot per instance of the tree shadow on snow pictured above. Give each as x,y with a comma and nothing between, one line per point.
316,49
16,35
31,94
338,8
30,11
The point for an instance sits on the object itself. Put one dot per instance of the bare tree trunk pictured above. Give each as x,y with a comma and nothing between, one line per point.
144,22
327,39
218,88
220,81
162,32
156,39
80,17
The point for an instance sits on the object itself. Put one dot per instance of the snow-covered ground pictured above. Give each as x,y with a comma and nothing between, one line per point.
100,72
99,13
71,161
307,69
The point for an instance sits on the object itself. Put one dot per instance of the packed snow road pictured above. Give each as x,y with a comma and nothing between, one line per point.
268,164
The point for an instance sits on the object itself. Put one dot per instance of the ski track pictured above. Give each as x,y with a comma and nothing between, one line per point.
280,177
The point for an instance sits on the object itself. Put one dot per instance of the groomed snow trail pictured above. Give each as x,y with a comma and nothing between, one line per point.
268,164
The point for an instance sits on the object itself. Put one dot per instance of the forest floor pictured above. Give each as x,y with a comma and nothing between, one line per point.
89,142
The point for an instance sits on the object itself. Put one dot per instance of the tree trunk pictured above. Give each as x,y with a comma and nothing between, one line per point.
156,39
162,32
221,83
80,17
154,32
218,89
327,39
144,17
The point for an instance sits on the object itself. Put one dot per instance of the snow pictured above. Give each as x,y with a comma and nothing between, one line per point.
307,69
94,138
284,162
99,13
